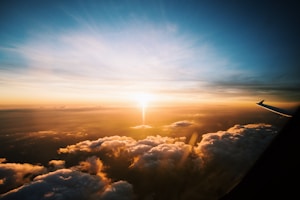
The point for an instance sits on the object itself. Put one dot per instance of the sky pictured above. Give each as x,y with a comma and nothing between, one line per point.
109,52
140,100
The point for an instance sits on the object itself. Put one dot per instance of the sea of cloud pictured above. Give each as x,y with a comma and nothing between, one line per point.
156,167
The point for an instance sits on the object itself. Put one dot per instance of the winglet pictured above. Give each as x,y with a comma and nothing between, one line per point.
261,102
274,109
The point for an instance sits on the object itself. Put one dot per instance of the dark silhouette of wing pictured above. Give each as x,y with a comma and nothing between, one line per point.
274,109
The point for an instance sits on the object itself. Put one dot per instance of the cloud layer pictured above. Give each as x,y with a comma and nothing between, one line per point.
79,182
15,174
120,167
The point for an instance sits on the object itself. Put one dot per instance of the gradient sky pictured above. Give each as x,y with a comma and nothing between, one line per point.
180,51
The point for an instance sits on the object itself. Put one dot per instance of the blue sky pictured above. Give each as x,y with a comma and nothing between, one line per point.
179,51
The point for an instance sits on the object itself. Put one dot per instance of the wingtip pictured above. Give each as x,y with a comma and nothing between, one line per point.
261,102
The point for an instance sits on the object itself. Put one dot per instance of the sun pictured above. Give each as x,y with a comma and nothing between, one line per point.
143,99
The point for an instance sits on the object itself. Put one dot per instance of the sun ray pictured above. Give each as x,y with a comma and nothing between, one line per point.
143,101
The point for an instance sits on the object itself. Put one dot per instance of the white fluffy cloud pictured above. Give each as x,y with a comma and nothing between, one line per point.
170,165
119,144
97,145
227,155
220,158
71,184
241,143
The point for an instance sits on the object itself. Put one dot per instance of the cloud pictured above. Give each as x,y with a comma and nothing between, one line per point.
118,144
114,142
159,163
183,127
57,164
163,155
13,175
183,123
83,61
124,191
92,165
255,136
240,142
84,181
69,184
153,167
141,127
50,135
282,88
149,53
230,153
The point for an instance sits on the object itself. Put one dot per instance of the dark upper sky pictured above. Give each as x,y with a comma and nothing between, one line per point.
107,51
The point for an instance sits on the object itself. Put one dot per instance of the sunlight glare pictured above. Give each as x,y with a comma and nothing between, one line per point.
143,100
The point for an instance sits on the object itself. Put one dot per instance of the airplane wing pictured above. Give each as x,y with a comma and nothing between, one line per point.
274,109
